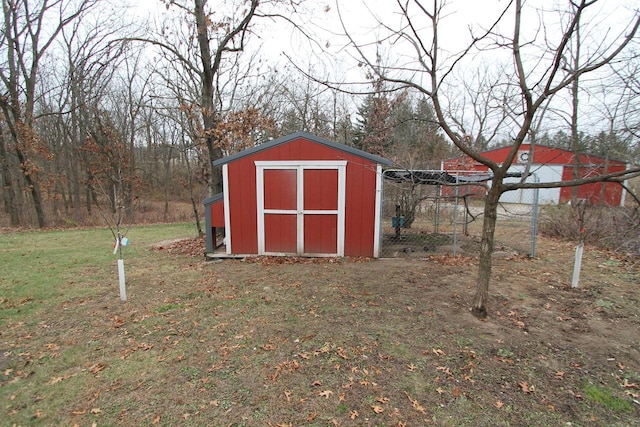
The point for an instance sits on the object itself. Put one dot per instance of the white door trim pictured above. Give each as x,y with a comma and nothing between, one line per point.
300,166
227,208
377,228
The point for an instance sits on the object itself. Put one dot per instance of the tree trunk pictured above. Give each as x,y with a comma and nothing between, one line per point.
73,160
34,188
8,191
479,308
209,116
89,193
603,185
194,205
166,178
575,143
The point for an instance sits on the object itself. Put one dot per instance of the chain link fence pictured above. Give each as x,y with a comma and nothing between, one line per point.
436,212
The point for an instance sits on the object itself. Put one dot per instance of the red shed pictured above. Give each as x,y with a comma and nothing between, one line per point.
550,164
298,195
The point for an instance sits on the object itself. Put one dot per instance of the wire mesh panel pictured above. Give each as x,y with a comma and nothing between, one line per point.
435,212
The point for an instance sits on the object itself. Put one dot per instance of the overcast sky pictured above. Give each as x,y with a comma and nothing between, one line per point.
361,18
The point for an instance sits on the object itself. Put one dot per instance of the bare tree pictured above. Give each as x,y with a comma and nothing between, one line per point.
30,29
532,75
626,113
67,97
216,39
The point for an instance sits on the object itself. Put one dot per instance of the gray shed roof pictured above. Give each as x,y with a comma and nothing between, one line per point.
212,199
308,136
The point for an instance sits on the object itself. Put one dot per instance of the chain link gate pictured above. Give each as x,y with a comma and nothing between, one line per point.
433,212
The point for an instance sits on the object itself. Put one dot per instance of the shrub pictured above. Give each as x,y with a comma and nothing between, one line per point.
608,227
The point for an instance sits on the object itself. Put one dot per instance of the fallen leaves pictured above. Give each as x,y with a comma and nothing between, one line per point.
382,399
516,319
9,304
282,260
632,394
141,346
456,392
96,367
194,247
56,380
459,261
250,344
526,387
628,387
326,394
438,352
445,370
342,353
286,366
415,404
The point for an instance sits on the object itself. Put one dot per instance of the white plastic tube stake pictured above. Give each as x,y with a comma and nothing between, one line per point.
577,266
123,289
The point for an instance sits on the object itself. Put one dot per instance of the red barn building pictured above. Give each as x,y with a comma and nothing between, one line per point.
550,164
298,195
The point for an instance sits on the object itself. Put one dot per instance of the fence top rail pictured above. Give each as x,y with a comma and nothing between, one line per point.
440,177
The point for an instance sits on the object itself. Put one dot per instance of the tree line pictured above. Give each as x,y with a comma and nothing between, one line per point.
98,111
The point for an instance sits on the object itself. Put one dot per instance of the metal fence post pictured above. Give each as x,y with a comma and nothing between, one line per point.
455,221
436,219
534,218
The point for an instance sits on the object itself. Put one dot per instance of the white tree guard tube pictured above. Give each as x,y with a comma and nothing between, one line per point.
123,289
577,266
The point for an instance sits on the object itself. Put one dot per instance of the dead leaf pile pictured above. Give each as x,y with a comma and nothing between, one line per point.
194,247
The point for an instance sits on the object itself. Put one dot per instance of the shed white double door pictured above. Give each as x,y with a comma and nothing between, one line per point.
300,206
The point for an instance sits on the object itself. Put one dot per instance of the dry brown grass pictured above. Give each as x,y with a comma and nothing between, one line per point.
612,228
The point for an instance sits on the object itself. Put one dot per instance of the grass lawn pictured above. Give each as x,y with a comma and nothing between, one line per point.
305,342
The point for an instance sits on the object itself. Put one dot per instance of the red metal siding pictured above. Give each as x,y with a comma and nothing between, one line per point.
281,193
320,194
556,156
280,233
360,208
217,213
593,192
242,207
542,155
321,189
280,189
360,195
320,234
